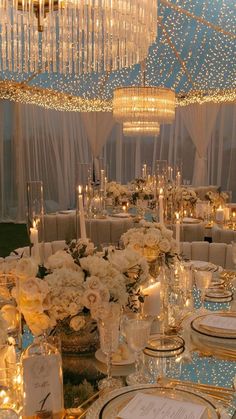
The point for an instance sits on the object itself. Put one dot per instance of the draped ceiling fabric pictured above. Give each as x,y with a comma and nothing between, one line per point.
38,144
98,126
200,121
45,144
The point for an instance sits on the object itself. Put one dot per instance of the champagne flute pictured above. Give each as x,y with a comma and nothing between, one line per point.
137,332
109,341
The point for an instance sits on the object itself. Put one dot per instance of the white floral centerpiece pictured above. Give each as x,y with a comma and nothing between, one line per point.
79,285
116,191
140,189
151,239
181,198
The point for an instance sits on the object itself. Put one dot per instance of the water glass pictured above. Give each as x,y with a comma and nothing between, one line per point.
137,332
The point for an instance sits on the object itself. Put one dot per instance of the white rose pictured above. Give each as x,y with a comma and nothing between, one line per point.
91,298
61,259
26,267
93,282
77,323
164,245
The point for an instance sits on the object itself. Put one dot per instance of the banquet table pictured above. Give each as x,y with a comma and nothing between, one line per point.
198,365
62,226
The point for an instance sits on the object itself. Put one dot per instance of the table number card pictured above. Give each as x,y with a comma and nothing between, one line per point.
155,407
43,389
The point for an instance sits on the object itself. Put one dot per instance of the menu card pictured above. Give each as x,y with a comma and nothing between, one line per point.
220,322
155,407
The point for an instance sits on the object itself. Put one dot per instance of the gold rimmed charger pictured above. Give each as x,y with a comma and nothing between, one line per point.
199,326
109,406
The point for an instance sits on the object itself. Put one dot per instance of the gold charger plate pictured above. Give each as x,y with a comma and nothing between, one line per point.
215,332
109,406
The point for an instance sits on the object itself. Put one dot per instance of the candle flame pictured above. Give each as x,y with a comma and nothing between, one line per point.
161,191
80,189
177,215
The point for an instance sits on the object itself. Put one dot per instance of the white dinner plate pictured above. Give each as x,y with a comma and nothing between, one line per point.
205,266
100,356
188,220
109,406
121,215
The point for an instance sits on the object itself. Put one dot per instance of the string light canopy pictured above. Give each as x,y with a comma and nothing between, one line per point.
142,109
75,36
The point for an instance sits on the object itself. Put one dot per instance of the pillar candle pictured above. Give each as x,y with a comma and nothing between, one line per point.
152,299
177,234
220,215
81,214
161,211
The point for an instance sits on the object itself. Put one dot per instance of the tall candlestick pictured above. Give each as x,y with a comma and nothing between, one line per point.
144,171
161,210
105,186
177,234
102,180
34,239
81,214
178,179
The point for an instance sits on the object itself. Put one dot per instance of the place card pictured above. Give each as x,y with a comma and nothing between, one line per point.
219,322
42,378
156,407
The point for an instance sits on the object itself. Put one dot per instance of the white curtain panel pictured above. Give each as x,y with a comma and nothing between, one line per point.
200,121
41,144
98,126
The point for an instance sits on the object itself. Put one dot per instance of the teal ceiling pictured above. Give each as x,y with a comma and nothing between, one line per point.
209,55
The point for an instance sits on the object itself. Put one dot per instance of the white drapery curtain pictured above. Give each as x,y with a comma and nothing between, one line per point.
98,126
40,144
200,121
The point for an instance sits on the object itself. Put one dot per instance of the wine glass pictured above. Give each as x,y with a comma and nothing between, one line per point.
109,341
137,332
202,281
234,253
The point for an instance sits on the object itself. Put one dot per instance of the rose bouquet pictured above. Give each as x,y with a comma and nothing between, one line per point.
151,239
78,282
116,191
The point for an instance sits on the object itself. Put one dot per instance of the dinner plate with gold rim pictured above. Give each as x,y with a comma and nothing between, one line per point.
210,331
109,406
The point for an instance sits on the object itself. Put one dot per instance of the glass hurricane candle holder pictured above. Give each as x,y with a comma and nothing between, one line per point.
35,219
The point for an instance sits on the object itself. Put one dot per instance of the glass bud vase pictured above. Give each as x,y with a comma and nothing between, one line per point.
42,381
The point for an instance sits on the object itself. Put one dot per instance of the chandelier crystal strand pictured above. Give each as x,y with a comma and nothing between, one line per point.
75,36
142,109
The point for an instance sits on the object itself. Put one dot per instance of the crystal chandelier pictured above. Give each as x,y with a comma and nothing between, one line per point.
75,36
142,109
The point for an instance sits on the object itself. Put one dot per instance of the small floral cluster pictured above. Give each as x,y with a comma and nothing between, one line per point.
140,189
217,199
116,190
153,238
181,195
77,281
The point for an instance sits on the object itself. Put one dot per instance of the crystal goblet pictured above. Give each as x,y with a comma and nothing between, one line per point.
137,332
109,341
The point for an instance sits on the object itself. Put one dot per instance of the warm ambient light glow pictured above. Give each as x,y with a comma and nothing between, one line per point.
141,109
75,36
